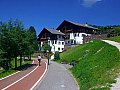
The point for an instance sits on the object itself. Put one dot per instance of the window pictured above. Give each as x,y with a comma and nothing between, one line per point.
59,49
62,49
72,41
75,35
68,42
52,42
65,42
62,43
43,36
55,42
58,43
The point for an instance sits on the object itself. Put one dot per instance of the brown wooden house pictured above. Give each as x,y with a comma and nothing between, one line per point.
68,27
74,32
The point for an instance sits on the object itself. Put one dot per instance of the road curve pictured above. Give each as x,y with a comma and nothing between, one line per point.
57,78
26,79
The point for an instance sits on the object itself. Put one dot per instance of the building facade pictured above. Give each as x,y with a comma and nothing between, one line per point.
74,32
67,34
52,37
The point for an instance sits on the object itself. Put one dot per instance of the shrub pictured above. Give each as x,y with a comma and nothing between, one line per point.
57,56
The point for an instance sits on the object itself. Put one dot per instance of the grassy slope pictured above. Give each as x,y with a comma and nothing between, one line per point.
98,65
117,38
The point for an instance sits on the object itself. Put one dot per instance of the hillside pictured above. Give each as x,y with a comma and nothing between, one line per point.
99,64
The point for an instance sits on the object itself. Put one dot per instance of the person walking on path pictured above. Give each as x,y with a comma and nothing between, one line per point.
39,59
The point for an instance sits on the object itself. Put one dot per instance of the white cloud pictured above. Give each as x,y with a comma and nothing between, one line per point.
89,3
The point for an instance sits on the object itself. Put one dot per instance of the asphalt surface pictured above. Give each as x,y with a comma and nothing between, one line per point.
57,78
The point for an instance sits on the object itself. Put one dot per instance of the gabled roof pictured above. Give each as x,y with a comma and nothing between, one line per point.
53,31
77,24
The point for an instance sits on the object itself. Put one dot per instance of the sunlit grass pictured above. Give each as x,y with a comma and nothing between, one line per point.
116,38
99,65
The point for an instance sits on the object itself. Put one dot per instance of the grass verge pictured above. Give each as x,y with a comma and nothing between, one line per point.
4,73
116,38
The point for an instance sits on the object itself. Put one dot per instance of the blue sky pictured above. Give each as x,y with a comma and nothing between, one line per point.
50,13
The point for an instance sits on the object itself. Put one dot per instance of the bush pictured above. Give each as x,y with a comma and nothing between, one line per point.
57,56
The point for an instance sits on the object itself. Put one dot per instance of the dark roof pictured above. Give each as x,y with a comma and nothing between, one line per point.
53,31
81,25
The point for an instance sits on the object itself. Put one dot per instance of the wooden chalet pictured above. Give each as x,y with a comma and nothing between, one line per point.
68,27
75,32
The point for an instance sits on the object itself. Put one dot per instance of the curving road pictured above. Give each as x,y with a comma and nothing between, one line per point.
57,78
25,79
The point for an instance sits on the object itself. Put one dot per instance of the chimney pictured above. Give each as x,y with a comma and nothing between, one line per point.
86,24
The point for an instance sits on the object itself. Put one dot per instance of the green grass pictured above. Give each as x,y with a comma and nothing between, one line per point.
116,38
4,73
99,65
34,56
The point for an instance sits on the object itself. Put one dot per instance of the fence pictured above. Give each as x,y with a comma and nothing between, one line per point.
94,37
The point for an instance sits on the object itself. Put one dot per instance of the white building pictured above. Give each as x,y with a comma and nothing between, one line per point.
54,38
67,34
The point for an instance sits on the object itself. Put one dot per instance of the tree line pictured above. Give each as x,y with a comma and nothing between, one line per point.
16,41
111,30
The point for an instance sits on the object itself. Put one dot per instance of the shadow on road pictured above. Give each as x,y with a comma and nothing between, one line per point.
25,67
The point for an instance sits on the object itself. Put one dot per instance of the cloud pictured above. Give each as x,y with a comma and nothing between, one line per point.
89,3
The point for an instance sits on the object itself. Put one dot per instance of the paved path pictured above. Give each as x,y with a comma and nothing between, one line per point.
115,86
26,79
57,78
